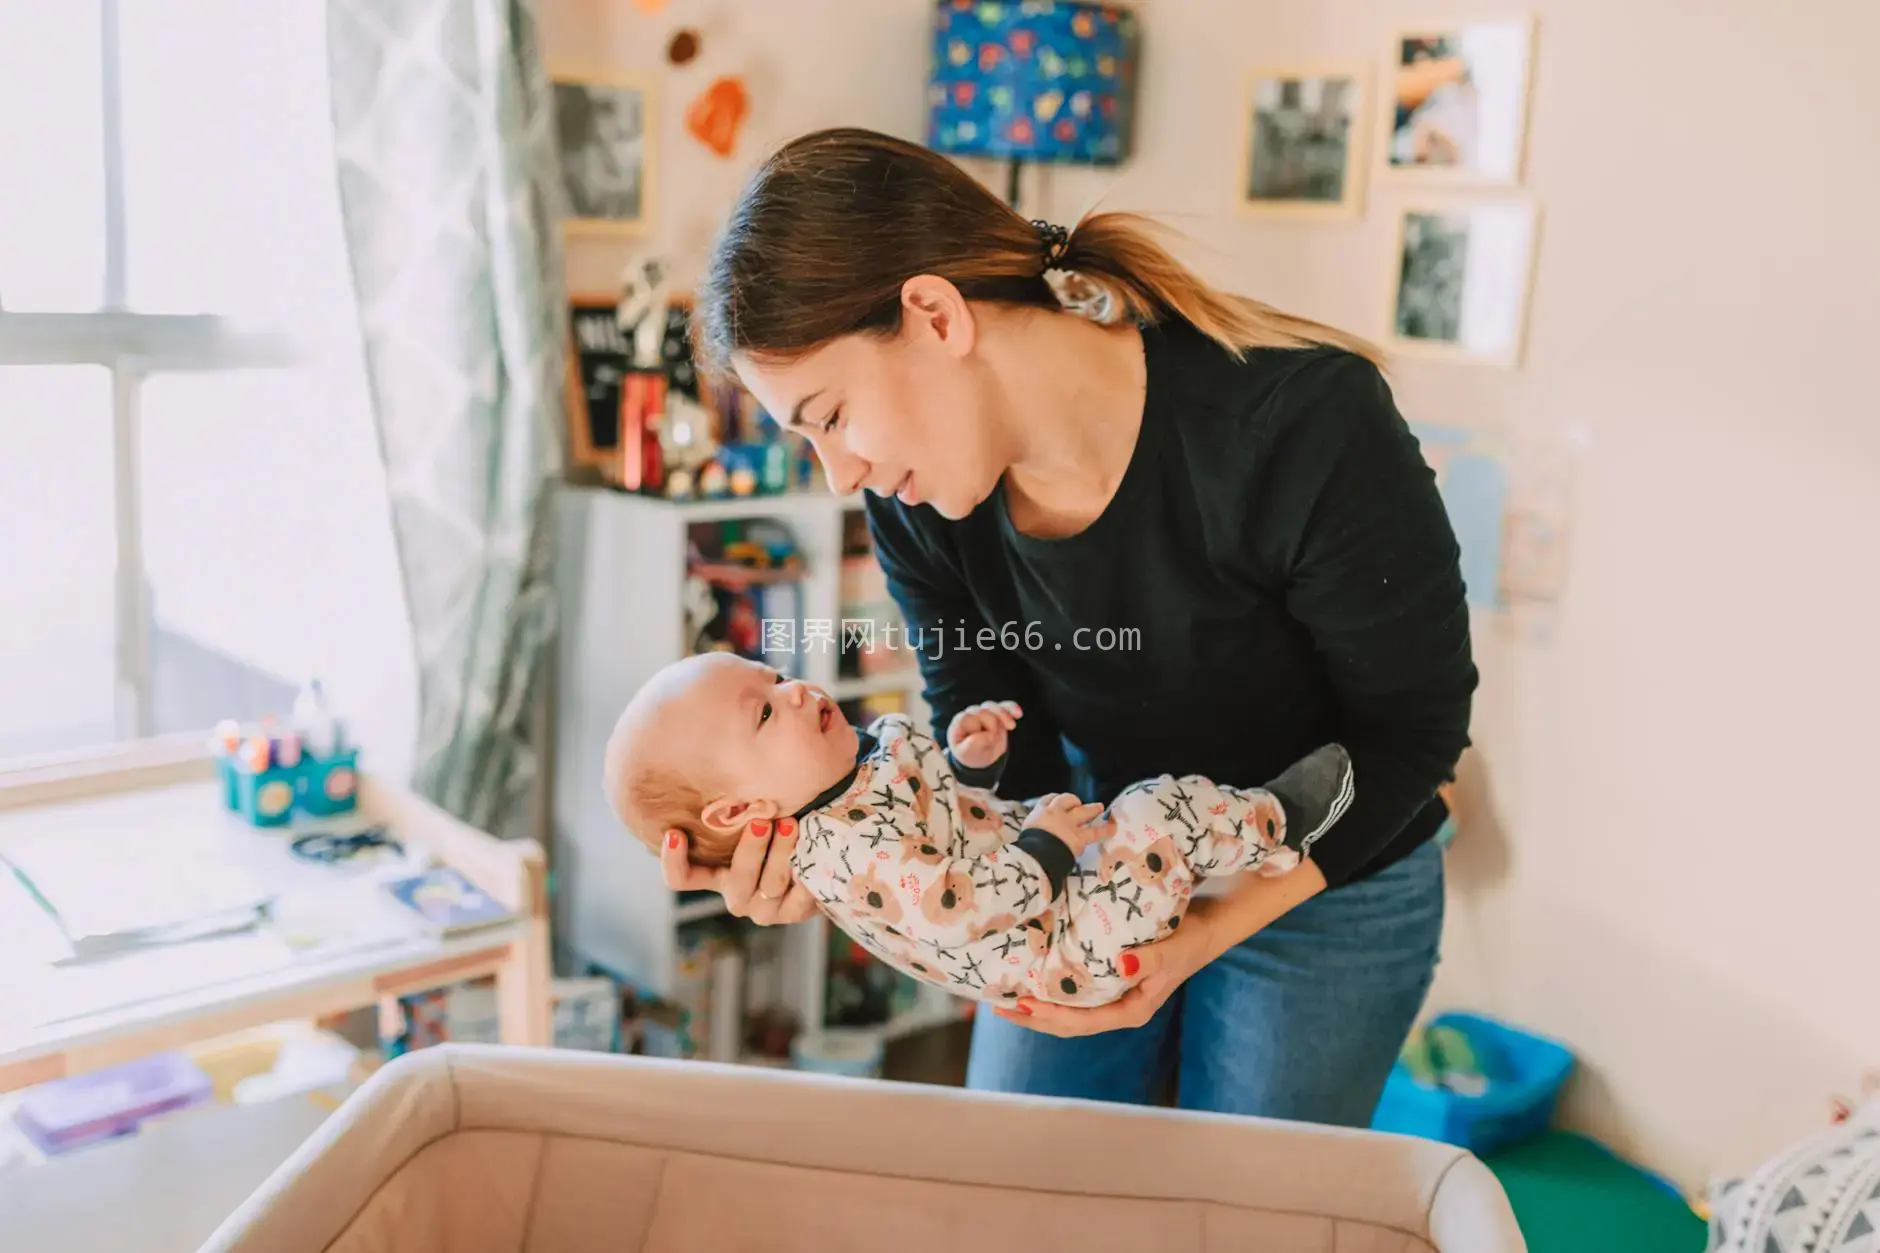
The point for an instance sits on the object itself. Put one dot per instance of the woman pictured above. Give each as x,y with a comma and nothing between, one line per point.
1185,532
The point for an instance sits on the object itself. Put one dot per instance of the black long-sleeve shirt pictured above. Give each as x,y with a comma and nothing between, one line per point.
1275,571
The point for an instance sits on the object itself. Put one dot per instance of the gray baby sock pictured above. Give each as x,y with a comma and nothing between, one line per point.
1315,791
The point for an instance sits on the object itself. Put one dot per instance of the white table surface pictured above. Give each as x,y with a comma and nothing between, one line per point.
363,930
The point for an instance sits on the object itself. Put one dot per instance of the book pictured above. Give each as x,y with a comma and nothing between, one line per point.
448,903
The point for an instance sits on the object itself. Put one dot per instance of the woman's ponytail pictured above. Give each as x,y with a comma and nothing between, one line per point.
1115,270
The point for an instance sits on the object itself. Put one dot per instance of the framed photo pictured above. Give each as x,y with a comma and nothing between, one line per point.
1302,146
1463,275
1456,107
606,129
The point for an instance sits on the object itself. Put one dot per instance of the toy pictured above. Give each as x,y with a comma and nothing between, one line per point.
686,446
701,609
675,352
642,315
742,629
712,480
774,473
774,539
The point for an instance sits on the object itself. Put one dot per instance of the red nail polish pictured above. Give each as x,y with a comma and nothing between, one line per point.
674,839
1023,1008
786,827
1131,964
760,828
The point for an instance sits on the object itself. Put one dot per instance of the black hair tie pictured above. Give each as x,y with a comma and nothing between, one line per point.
1056,241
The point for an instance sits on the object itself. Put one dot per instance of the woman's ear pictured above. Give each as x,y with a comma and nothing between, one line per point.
931,305
731,815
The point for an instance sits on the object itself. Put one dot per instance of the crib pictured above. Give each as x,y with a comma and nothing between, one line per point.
486,1149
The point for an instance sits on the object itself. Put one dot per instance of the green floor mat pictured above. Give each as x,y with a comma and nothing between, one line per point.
1570,1195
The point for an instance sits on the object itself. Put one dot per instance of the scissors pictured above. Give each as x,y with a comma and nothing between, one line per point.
333,846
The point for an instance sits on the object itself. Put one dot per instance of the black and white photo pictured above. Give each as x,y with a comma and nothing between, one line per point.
605,130
1461,283
1303,142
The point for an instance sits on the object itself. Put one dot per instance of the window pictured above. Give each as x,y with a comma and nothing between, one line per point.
192,511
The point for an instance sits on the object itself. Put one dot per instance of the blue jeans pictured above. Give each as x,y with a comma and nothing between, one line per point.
1301,1021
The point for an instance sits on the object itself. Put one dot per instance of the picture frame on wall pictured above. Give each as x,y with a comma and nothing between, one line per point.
1463,279
1456,101
1304,134
606,129
597,361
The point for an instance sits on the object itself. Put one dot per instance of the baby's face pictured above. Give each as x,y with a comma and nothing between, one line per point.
769,739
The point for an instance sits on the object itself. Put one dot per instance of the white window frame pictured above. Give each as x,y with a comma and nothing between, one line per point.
132,346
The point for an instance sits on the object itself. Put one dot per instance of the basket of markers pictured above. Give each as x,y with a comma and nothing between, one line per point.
270,775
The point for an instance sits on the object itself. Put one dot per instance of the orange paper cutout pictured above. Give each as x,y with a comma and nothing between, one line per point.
717,116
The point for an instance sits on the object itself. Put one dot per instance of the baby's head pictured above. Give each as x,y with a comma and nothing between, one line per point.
714,742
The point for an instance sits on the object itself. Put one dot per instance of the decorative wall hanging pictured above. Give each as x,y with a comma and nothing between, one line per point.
683,47
1041,80
717,116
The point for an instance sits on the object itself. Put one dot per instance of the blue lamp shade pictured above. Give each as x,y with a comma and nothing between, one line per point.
1033,80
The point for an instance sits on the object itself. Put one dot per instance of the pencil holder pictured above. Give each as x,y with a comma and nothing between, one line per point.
266,797
230,777
329,785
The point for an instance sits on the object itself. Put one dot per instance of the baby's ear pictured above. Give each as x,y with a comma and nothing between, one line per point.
731,814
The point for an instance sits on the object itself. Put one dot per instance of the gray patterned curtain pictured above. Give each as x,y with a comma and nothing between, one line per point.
445,137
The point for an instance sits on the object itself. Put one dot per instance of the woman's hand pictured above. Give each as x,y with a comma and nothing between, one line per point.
756,885
1160,968
1210,927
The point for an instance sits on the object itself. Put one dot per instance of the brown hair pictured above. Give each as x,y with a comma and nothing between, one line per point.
656,799
833,223
650,798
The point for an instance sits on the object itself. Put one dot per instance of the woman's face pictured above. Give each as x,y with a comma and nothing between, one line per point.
907,415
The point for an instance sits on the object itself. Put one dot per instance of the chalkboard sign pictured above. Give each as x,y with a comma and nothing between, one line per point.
597,361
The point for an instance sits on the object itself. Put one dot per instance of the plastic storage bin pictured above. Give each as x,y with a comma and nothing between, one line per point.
1526,1074
69,1113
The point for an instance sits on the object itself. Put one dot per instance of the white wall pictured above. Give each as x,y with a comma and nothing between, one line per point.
1671,856
1669,860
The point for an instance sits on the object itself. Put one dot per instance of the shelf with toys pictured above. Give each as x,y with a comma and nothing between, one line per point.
659,556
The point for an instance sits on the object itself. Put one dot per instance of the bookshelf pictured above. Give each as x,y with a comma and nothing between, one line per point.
623,564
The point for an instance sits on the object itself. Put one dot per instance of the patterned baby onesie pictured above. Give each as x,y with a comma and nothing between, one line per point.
914,856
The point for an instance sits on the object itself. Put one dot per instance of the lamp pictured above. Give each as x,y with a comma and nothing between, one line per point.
1032,80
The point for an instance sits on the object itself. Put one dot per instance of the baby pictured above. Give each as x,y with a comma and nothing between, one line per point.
911,852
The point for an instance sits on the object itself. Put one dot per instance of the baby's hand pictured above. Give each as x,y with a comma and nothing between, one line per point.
978,734
1064,816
